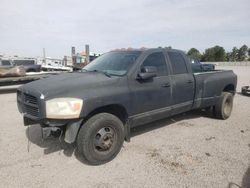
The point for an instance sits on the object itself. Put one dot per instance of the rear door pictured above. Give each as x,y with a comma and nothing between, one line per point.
183,83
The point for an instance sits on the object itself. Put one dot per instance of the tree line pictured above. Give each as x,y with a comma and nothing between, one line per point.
218,53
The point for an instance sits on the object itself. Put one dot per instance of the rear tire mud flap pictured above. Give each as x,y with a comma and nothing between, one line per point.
127,131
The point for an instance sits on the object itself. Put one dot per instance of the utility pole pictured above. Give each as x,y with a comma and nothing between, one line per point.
73,55
44,56
87,53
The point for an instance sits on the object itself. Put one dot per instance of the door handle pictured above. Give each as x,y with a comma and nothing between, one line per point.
166,84
189,81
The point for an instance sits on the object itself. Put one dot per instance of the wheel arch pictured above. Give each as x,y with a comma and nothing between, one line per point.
117,110
229,88
114,109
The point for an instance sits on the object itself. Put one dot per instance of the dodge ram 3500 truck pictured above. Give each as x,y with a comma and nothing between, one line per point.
96,107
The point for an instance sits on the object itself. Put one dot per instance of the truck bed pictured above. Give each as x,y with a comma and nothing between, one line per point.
209,86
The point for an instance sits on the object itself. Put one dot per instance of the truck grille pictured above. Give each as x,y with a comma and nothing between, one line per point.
28,104
29,99
30,110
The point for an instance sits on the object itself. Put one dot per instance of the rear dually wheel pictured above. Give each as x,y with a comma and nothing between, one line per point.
223,108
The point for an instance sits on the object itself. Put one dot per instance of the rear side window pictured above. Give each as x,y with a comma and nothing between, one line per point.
178,63
157,60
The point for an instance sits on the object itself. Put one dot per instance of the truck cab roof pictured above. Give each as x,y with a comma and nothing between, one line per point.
146,49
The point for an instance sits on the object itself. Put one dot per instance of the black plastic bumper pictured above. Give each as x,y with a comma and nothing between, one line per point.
28,121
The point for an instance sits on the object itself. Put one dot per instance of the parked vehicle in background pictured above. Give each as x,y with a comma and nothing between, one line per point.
122,89
52,64
197,66
28,64
5,63
245,90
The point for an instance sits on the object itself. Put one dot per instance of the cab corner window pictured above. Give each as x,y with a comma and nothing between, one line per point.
156,60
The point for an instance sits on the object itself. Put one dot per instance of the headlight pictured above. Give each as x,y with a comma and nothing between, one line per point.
63,108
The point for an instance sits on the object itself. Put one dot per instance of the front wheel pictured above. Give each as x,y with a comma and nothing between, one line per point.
223,108
100,139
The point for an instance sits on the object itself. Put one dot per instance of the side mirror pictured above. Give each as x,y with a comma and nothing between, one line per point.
147,73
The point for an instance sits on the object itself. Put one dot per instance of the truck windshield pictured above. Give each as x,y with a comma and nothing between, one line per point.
113,63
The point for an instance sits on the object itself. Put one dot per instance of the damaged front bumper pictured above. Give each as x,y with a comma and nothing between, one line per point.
68,128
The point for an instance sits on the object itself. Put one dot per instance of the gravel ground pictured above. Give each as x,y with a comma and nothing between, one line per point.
189,150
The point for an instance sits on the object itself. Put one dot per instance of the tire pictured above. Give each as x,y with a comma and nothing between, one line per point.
223,108
100,139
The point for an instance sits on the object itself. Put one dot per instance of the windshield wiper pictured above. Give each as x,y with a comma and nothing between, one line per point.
103,72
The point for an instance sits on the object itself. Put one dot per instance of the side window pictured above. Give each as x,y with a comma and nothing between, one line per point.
178,63
157,60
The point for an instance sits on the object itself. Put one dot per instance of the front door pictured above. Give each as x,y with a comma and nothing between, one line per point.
151,98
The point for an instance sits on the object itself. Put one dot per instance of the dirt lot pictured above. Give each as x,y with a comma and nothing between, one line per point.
189,150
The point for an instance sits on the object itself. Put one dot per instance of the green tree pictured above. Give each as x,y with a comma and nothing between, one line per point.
216,53
194,53
248,54
228,56
234,54
242,54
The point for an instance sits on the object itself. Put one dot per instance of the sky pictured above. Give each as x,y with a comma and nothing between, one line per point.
28,26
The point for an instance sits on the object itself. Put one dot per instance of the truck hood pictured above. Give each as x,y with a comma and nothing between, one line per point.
68,84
